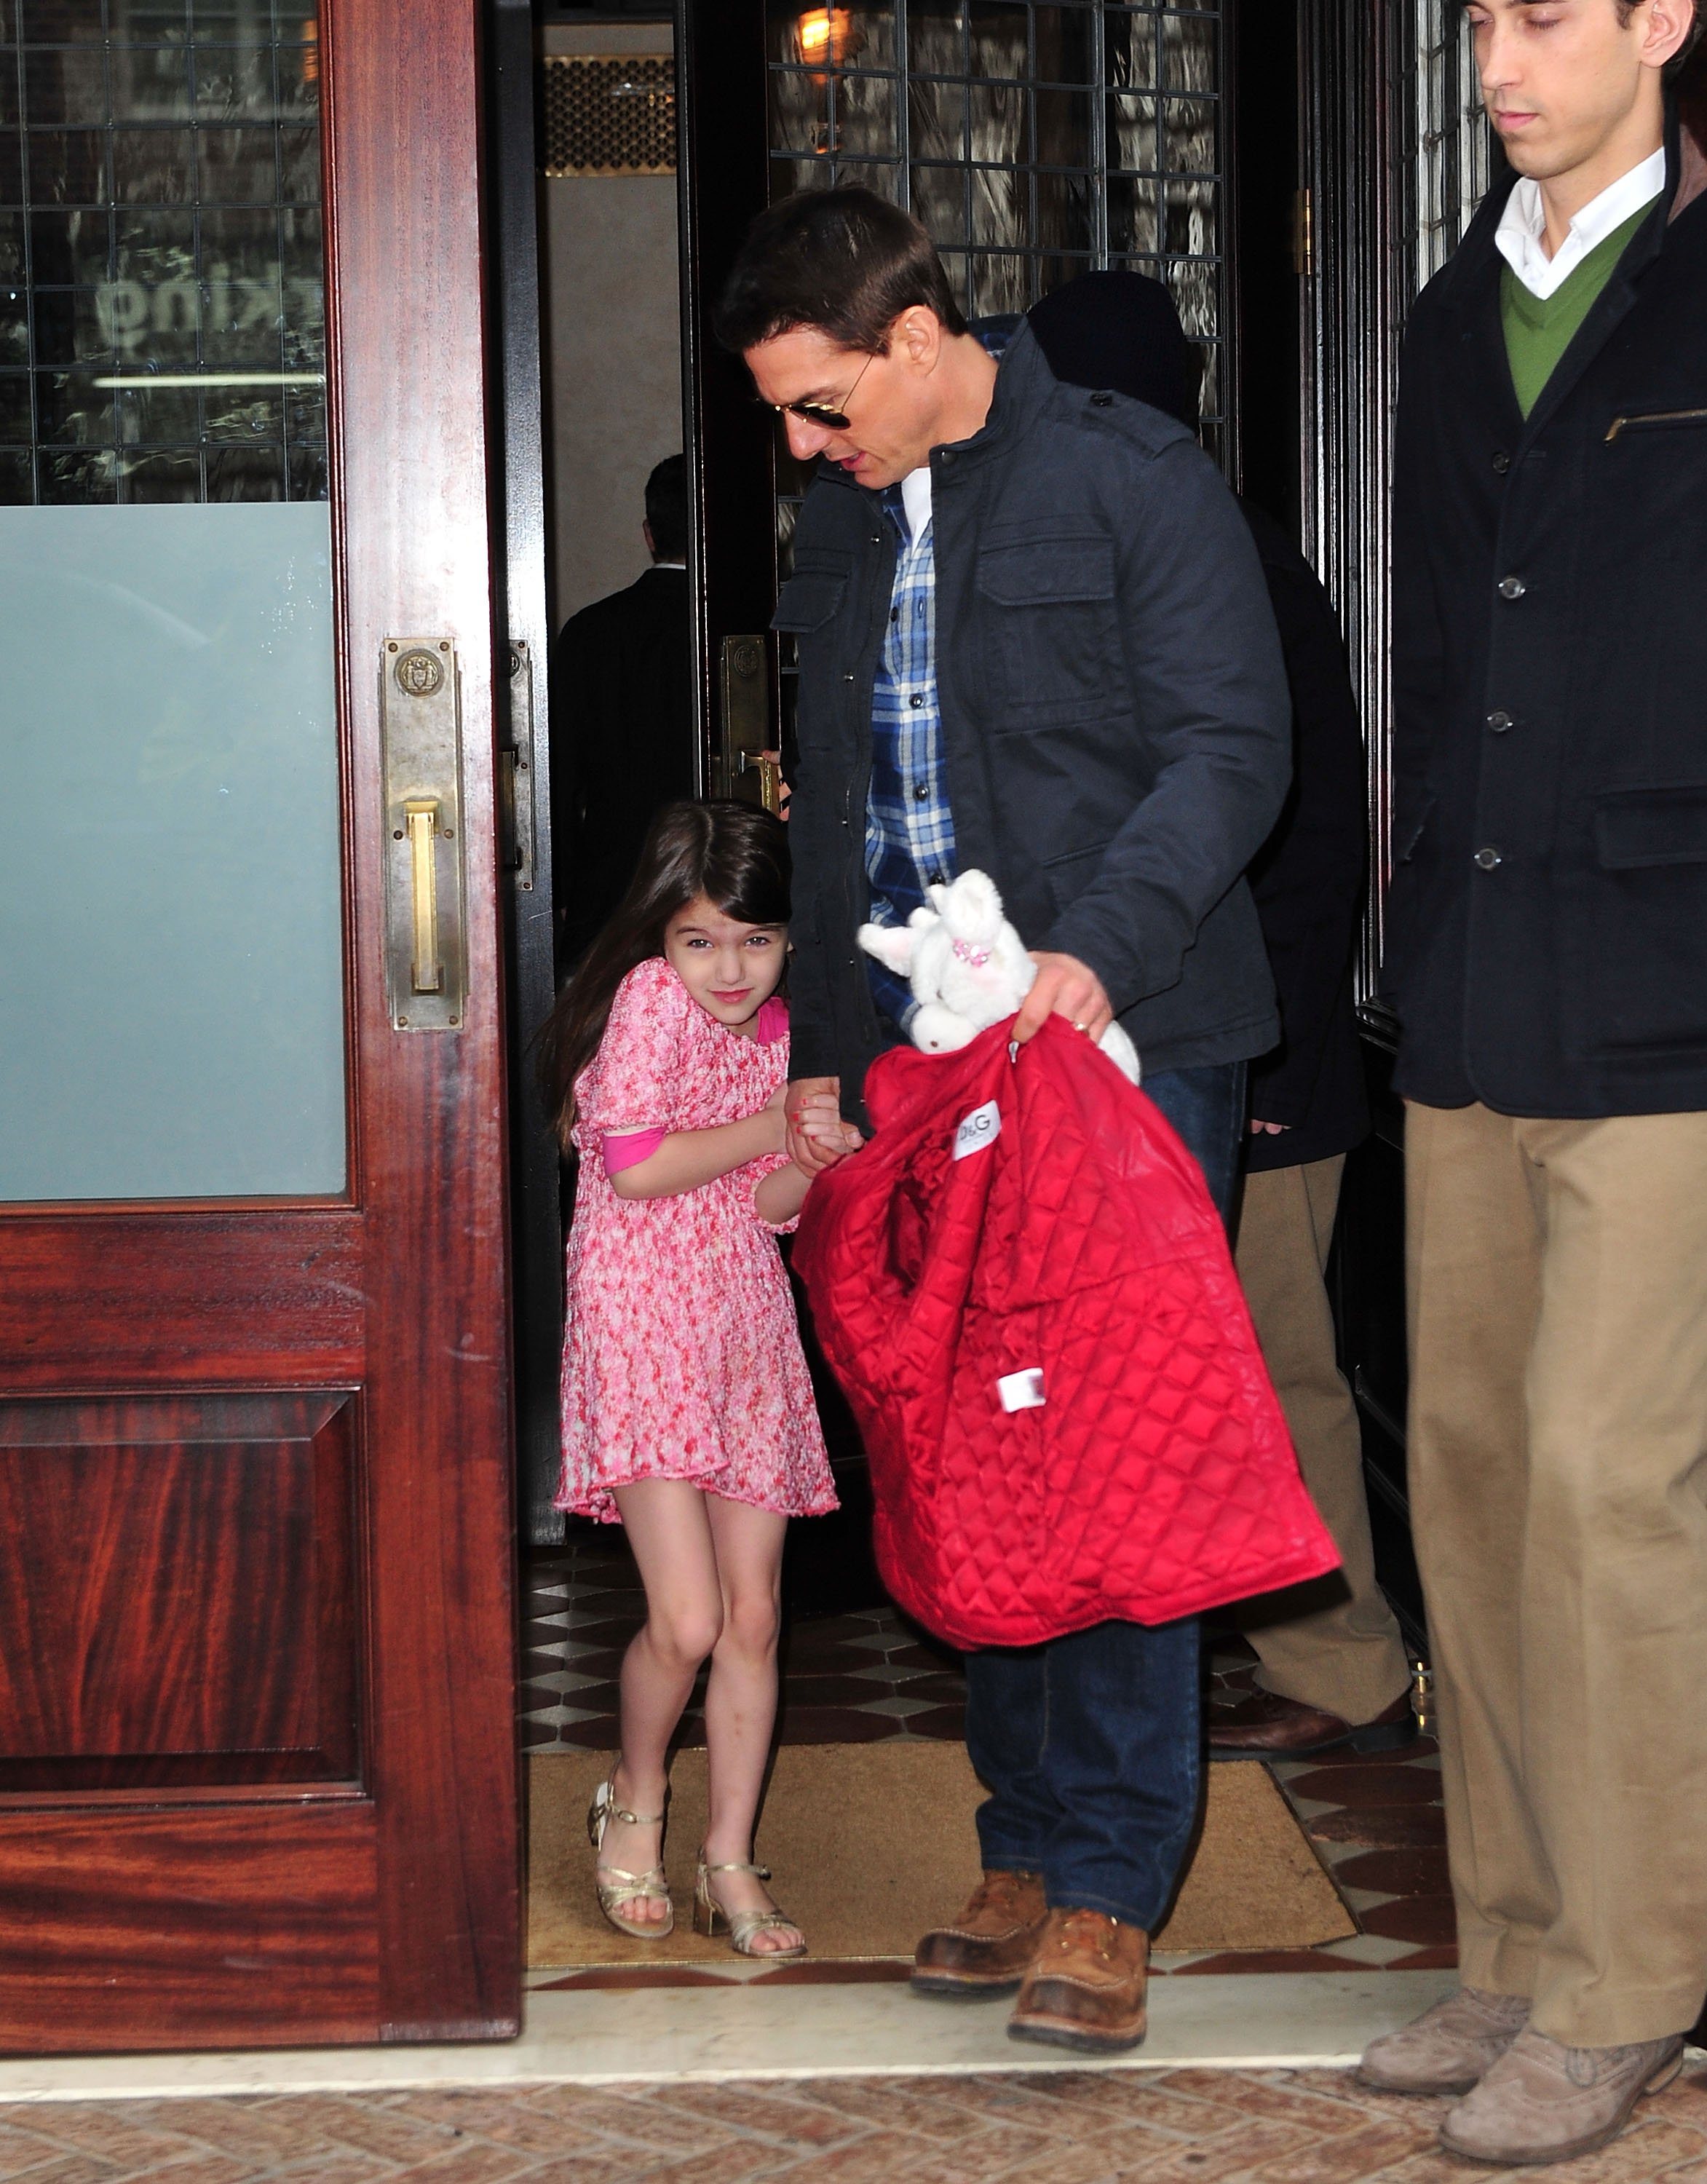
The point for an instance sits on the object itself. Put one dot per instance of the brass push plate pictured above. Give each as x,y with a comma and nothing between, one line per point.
746,726
426,897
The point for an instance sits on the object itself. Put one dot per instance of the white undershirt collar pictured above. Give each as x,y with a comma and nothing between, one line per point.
1524,222
915,499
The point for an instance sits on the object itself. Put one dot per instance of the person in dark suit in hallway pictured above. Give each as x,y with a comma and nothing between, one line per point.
1333,1669
622,722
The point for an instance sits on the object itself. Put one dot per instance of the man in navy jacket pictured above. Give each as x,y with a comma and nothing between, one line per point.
1033,640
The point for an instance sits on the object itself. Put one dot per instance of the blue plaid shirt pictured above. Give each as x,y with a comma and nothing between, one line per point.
910,830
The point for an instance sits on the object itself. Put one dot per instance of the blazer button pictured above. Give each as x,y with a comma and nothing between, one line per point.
847,678
1512,587
1502,462
1499,722
1488,859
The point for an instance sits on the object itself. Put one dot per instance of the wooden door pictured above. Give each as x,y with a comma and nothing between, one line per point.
256,1782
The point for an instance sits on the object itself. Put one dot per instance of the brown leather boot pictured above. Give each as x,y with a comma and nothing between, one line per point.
987,1949
1086,1988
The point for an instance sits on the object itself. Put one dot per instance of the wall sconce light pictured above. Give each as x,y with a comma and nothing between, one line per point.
828,37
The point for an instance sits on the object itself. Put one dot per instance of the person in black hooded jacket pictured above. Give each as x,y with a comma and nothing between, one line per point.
1332,1664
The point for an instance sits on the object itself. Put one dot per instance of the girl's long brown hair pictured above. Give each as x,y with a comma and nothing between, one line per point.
734,855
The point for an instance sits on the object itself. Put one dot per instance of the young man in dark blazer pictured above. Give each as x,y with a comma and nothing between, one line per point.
1033,640
1548,955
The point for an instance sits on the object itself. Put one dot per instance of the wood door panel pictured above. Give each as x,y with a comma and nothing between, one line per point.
106,1300
190,1597
232,1926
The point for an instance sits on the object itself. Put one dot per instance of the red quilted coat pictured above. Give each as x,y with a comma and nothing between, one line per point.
1025,1288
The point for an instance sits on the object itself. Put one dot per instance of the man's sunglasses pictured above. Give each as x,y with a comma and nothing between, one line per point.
820,413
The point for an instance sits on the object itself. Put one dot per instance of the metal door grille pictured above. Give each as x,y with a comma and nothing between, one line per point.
1035,141
1399,155
608,114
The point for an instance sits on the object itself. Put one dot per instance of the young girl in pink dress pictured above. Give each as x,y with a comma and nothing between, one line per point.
687,1412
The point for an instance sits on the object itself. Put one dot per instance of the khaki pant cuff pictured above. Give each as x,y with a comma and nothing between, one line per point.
1617,2020
1357,1709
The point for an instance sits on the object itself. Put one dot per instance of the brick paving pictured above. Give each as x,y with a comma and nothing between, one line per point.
1164,2127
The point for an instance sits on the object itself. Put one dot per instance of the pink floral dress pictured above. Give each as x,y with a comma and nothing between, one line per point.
682,1357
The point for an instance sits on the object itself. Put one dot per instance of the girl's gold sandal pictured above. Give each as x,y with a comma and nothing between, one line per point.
617,1888
743,1927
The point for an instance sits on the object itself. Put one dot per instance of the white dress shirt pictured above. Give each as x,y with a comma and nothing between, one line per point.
1524,223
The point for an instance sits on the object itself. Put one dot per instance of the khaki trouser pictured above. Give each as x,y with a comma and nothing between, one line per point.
1333,1643
1558,1456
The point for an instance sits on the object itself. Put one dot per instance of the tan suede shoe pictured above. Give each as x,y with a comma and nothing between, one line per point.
1544,2102
988,1949
1448,2048
1086,1988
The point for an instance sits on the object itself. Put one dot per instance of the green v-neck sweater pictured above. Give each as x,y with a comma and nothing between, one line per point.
1538,330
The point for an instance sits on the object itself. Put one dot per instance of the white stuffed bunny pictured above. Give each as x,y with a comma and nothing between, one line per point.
968,968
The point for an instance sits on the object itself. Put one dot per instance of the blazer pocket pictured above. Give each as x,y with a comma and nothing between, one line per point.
1655,420
1635,829
1407,847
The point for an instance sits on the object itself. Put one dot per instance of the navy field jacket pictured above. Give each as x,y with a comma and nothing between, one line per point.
1547,924
1116,726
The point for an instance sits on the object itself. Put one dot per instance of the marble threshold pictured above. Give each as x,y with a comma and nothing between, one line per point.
740,2030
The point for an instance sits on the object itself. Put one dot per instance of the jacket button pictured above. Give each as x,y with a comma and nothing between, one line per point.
1488,859
1499,722
946,457
1512,587
1502,462
847,678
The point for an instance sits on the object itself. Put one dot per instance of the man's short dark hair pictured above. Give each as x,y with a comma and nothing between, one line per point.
845,262
666,509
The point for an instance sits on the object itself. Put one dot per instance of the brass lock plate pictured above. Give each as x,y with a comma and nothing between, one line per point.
426,895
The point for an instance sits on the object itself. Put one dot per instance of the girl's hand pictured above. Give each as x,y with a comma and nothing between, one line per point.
818,1118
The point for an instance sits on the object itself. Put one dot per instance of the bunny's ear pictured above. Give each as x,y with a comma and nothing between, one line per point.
977,907
891,944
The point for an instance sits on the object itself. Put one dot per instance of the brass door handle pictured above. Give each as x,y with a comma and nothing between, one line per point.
768,768
426,972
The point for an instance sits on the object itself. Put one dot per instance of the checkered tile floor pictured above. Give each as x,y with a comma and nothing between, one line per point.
869,1674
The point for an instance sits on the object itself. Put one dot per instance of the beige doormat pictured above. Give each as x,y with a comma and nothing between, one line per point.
873,1844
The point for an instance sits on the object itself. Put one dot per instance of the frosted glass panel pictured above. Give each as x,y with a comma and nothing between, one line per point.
171,981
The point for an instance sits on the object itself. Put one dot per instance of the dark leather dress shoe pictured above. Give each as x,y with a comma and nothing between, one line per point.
1087,1989
989,1947
1266,1726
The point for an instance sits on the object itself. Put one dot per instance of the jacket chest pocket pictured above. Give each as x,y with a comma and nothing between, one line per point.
1047,630
810,599
808,606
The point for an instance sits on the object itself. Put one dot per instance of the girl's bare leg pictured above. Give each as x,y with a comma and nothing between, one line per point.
667,1529
741,1696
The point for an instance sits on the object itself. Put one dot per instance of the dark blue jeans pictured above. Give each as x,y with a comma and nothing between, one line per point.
1090,1744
